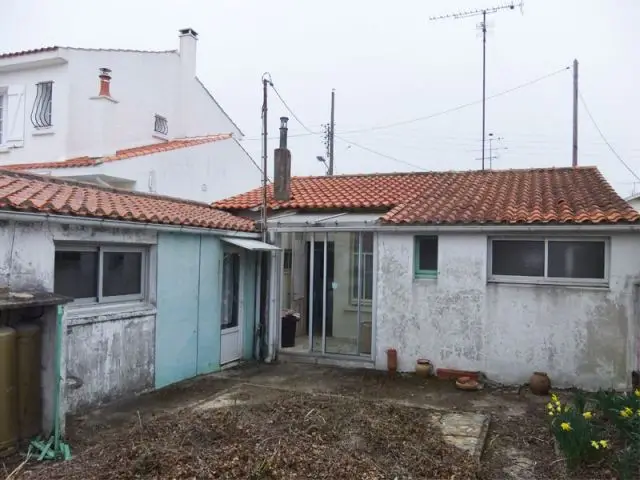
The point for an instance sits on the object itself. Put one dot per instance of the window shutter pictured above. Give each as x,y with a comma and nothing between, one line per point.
15,115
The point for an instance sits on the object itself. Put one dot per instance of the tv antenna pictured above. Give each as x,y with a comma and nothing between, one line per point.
483,26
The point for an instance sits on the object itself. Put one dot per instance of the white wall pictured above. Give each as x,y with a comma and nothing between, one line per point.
581,336
223,167
635,203
110,350
143,83
47,144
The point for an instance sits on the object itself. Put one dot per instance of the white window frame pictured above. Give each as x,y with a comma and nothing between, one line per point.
545,279
101,249
354,254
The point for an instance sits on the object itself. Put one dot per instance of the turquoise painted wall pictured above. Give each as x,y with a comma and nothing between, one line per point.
209,310
177,305
188,318
249,300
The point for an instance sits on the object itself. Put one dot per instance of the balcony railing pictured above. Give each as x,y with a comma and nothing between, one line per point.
41,111
161,125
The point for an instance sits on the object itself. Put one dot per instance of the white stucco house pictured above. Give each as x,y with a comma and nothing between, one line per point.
634,201
503,272
71,112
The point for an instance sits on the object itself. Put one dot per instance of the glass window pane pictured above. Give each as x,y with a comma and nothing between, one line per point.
523,258
367,242
76,274
367,288
576,259
121,273
230,290
427,253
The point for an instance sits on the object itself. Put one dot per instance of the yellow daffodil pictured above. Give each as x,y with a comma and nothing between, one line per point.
559,409
627,412
604,444
595,444
557,403
551,413
637,392
549,406
554,397
565,426
587,415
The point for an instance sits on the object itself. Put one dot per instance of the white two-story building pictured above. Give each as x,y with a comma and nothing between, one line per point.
139,120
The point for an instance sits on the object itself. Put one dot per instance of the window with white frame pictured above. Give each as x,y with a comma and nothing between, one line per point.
361,261
101,274
552,260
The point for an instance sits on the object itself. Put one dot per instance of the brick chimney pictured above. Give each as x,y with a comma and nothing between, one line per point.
105,82
186,76
100,122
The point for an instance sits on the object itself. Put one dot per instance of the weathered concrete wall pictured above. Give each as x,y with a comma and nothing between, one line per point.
109,348
109,356
580,336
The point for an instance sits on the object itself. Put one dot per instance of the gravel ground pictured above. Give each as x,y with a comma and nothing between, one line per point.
299,436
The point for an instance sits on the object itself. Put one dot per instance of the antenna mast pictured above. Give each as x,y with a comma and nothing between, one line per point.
474,13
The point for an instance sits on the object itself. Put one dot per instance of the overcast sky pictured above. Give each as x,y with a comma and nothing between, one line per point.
388,64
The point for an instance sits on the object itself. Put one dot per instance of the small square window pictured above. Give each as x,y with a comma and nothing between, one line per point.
426,257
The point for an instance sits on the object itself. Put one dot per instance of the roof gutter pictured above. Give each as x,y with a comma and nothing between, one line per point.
107,223
518,228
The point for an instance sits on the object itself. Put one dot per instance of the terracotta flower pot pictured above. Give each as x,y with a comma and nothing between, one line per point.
424,368
392,361
539,383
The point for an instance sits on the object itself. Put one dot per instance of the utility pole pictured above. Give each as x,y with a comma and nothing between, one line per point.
574,160
266,81
332,130
483,26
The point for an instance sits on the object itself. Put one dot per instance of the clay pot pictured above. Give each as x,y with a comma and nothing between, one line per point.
424,368
539,383
392,361
467,383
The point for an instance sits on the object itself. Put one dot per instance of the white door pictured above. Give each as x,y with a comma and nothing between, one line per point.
232,310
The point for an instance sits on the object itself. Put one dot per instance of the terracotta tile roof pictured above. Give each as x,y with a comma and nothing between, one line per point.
121,154
545,195
42,194
27,52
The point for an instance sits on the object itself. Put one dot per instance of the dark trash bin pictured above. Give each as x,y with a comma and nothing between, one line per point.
288,331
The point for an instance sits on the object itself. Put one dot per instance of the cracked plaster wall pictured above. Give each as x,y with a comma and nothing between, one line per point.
109,349
582,337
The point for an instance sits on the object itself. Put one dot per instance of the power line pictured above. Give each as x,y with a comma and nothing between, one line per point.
311,132
604,139
459,107
384,155
417,119
344,140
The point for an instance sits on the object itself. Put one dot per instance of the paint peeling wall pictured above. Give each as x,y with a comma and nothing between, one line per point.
581,336
109,348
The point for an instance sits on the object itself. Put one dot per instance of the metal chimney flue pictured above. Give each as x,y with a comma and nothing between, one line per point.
283,132
282,166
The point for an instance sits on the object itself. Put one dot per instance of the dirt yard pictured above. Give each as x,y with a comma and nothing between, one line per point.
301,421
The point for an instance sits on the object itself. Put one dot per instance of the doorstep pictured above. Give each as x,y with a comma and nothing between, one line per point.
333,360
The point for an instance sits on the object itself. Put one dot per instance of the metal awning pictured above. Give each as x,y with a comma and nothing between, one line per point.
326,220
249,244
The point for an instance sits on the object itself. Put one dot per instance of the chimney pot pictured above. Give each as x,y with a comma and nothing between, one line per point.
105,81
188,31
283,132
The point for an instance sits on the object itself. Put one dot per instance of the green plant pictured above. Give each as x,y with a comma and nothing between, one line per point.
623,411
579,438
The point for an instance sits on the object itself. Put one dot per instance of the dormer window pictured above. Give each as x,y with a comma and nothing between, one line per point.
161,126
41,111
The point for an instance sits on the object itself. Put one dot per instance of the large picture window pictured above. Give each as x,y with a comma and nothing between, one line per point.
552,260
362,260
98,274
